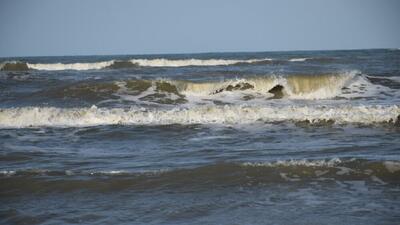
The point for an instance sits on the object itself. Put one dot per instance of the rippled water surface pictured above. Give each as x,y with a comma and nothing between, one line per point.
222,138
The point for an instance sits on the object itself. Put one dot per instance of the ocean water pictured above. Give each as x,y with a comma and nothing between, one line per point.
307,137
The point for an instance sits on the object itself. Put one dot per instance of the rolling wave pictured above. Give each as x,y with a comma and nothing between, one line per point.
298,59
307,87
71,66
295,87
14,66
119,64
212,114
193,62
250,173
24,66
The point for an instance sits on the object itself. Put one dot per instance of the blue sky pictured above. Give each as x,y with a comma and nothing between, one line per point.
91,27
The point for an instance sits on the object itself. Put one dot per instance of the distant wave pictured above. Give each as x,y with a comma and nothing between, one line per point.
24,66
115,64
14,66
212,114
71,66
298,59
193,62
118,64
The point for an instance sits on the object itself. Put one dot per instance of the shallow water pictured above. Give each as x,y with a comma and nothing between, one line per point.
227,138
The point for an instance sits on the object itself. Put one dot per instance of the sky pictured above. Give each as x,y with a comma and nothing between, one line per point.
104,27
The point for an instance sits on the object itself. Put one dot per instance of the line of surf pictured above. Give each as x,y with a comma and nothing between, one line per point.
115,64
211,114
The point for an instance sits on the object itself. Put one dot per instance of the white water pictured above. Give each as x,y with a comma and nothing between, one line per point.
71,66
302,162
298,59
192,62
235,114
161,62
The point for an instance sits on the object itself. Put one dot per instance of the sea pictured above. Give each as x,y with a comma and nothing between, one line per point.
298,137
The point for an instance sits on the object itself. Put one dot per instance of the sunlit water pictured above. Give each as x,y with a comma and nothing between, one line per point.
227,138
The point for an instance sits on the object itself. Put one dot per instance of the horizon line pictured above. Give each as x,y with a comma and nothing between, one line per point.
200,53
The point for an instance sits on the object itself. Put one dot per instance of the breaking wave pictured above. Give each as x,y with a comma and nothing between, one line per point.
294,87
212,114
307,87
298,59
193,62
24,66
118,64
71,66
14,66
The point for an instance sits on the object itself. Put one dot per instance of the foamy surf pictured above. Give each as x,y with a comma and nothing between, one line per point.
318,130
228,114
193,62
70,66
158,62
115,64
298,59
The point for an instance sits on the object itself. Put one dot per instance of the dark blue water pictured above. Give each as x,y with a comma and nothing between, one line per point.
221,138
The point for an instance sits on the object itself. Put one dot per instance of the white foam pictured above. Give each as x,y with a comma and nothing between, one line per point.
41,172
285,177
111,172
70,66
360,86
344,170
392,166
298,59
8,172
378,180
211,114
302,162
161,62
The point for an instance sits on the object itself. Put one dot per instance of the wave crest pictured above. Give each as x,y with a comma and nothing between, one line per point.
70,66
194,62
228,114
157,62
251,90
119,64
294,87
14,66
